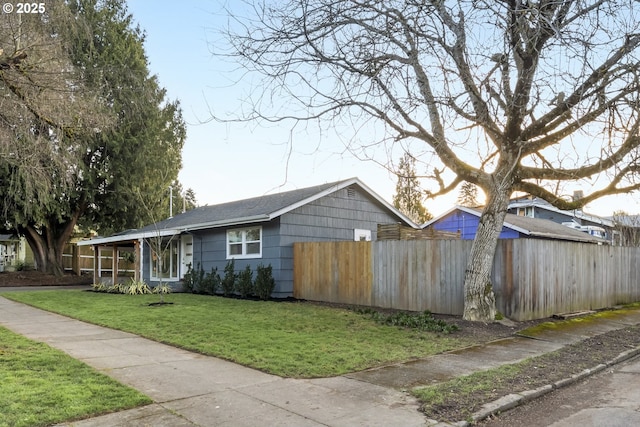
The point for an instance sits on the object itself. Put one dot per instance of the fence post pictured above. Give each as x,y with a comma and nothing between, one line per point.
75,259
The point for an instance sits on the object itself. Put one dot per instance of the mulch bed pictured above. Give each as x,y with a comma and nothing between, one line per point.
37,278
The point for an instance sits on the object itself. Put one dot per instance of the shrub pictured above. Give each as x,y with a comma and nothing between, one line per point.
211,282
229,280
264,284
244,284
422,321
198,282
199,285
188,282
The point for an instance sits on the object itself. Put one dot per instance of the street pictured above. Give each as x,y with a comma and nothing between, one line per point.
610,398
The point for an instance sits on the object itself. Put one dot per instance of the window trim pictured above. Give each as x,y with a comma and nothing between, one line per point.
243,243
361,235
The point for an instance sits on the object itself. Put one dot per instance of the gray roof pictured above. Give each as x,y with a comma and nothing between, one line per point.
247,211
534,227
538,227
576,213
240,210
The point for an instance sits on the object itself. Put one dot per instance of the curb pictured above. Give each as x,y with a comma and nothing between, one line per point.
510,401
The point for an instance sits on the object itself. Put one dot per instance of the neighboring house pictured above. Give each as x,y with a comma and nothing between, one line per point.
465,221
254,231
535,207
14,250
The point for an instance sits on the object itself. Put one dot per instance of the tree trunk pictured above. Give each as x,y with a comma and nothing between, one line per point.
47,250
479,299
47,243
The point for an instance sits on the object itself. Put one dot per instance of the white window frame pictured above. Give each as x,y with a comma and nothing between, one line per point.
174,242
361,235
243,243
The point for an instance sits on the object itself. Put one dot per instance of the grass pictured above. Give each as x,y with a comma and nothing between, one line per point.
569,324
289,339
476,387
41,386
458,398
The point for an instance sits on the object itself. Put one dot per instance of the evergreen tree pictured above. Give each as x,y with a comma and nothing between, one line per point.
183,200
468,195
408,197
190,199
107,176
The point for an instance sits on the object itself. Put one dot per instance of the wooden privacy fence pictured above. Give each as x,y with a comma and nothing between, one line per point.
532,279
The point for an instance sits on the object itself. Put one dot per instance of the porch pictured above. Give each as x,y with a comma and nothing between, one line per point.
117,262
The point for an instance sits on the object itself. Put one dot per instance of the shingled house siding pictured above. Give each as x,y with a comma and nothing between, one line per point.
330,218
211,252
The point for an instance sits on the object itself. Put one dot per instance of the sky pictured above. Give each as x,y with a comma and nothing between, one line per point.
223,161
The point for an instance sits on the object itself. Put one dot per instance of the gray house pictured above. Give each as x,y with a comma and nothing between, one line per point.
254,231
465,220
535,207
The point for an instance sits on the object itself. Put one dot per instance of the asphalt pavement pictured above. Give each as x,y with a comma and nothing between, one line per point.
190,389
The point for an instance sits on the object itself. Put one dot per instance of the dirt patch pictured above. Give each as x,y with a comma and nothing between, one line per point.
37,278
484,332
537,372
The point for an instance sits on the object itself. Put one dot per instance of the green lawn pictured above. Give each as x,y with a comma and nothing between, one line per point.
41,386
290,339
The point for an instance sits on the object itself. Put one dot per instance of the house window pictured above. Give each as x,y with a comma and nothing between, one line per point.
527,211
244,243
164,259
360,235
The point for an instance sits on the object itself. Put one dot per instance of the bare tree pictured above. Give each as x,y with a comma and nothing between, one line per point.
45,109
47,115
510,95
626,229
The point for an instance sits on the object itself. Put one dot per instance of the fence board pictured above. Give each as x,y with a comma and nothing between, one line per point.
532,278
333,272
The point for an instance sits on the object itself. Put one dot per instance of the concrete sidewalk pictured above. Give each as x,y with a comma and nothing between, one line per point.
446,366
190,389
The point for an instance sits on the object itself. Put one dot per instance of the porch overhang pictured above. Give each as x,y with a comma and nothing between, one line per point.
110,273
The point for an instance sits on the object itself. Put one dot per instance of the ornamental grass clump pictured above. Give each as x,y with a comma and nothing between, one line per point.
133,287
137,288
